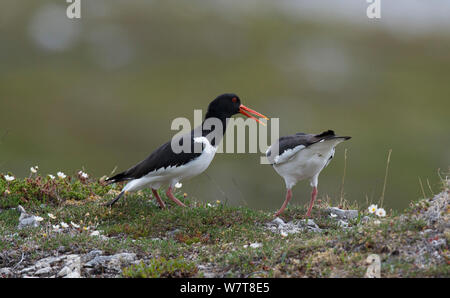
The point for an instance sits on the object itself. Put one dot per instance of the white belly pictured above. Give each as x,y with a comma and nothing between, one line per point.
306,164
173,175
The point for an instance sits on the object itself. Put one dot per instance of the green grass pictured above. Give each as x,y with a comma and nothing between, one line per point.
161,268
174,241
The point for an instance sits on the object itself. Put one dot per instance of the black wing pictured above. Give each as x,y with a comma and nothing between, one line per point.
162,157
288,146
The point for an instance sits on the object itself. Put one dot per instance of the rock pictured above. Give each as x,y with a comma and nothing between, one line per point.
172,234
26,219
90,255
64,272
256,245
43,271
73,275
28,269
343,214
439,243
279,226
5,272
374,269
47,262
278,221
310,225
114,262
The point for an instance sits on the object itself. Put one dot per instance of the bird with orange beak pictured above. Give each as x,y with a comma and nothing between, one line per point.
166,166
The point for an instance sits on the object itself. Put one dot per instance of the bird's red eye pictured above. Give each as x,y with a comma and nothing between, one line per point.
234,99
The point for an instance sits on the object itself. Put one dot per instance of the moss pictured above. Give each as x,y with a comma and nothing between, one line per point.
161,267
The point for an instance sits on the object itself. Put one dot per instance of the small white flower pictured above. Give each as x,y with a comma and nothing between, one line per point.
51,177
64,225
9,178
85,176
33,170
245,246
373,208
95,233
377,222
178,185
209,205
51,216
256,245
75,225
284,234
38,218
61,175
332,215
380,212
55,227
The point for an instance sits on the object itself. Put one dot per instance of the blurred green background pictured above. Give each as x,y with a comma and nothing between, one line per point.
102,91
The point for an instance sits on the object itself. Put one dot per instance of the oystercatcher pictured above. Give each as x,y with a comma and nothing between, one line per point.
302,156
166,166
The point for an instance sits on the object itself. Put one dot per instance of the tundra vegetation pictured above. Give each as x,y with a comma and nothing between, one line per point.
76,235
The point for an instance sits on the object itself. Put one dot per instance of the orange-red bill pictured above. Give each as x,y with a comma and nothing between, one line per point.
243,110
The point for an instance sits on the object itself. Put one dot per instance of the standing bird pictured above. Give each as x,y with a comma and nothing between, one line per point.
302,156
166,166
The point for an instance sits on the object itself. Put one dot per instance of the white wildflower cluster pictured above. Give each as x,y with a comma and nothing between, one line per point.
61,175
83,175
380,212
254,245
9,178
34,169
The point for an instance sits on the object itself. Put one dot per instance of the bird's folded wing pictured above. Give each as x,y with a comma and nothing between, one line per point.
285,148
161,158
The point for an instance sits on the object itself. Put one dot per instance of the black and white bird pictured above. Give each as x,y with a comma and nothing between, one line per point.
302,156
166,166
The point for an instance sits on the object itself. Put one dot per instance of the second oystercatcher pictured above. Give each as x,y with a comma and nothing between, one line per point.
302,156
166,166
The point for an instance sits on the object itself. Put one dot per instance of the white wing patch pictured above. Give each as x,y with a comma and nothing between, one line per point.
208,147
288,154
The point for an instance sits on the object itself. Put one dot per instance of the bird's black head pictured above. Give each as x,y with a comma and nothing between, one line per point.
225,105
228,104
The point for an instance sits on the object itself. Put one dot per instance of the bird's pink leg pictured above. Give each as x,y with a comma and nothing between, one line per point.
288,198
160,202
313,198
170,195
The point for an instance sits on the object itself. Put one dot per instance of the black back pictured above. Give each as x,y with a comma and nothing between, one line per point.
222,107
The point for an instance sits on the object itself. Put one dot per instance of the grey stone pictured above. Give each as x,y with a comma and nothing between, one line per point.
5,272
113,262
73,274
279,226
26,220
28,269
343,214
90,255
63,272
43,271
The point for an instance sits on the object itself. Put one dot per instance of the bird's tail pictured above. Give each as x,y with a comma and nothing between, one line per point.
329,134
117,178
